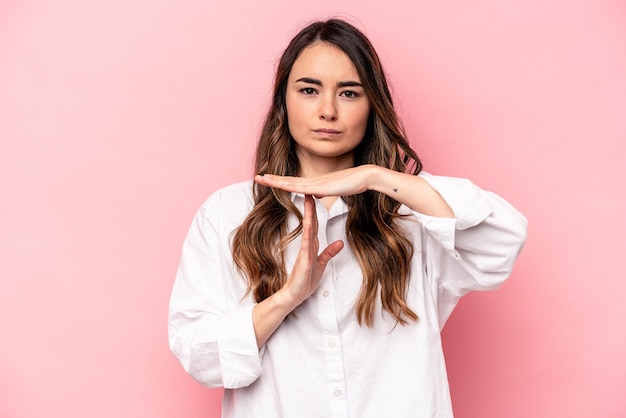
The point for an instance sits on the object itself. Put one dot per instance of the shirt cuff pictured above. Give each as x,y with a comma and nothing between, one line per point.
442,229
240,359
467,200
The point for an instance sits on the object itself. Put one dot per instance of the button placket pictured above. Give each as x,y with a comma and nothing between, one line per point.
332,353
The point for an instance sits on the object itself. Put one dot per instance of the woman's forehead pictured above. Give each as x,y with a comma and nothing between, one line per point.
322,60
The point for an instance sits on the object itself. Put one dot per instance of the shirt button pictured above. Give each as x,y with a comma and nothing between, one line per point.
337,392
331,344
325,293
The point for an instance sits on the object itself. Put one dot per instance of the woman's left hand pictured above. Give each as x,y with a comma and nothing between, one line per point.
410,190
346,182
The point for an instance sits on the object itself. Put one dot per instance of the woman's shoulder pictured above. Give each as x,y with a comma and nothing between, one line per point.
234,189
234,197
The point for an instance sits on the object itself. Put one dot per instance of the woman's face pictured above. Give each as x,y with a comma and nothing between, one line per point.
327,109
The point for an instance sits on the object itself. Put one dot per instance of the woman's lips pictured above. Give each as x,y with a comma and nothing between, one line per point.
327,133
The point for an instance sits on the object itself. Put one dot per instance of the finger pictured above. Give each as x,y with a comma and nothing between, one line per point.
323,259
314,221
261,179
307,218
328,253
266,180
287,183
309,224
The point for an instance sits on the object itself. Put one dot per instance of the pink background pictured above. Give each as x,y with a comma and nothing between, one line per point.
118,118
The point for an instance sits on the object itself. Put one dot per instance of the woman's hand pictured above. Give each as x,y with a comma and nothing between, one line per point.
309,266
412,191
346,182
302,281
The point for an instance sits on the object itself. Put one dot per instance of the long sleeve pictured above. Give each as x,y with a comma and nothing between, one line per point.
477,249
210,322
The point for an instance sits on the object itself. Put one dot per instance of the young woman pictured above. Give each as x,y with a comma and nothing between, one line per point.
320,288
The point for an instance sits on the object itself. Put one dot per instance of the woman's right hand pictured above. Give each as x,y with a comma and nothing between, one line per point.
309,266
302,281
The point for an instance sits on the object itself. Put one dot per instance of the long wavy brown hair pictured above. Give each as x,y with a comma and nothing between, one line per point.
380,246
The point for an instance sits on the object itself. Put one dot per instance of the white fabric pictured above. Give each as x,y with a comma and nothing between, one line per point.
320,362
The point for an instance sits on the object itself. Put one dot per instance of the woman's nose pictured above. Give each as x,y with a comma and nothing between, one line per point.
328,110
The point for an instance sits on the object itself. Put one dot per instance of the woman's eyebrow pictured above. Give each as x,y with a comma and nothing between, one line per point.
349,84
309,80
339,84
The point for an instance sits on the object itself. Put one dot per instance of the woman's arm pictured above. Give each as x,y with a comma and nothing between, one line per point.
214,332
210,327
472,236
412,191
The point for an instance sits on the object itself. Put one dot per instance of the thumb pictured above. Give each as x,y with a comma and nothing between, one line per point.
328,253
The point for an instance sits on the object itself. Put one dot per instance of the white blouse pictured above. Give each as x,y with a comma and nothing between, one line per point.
320,362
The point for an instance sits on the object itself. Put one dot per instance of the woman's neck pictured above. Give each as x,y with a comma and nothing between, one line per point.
312,166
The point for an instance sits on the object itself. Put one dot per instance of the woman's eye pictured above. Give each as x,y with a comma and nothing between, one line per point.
308,90
350,94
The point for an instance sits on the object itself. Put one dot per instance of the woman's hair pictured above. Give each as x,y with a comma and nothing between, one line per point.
381,248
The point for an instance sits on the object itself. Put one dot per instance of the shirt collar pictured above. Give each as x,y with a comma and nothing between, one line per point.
338,208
